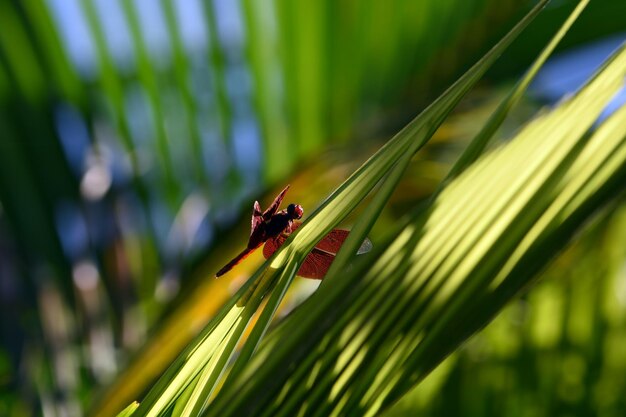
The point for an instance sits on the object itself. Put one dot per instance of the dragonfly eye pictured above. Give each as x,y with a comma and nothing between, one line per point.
295,211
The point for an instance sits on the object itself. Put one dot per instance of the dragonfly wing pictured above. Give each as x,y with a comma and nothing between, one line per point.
365,247
273,208
272,245
316,264
322,256
257,217
333,241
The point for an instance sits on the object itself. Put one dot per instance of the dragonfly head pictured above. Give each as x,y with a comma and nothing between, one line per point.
295,211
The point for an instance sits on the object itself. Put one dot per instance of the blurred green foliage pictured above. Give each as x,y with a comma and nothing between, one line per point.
126,152
557,351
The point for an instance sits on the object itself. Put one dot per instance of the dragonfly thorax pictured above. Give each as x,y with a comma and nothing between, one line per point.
278,224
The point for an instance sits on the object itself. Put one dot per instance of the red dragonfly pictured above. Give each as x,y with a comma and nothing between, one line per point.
272,227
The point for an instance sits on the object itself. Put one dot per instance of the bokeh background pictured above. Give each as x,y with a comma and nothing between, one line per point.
135,134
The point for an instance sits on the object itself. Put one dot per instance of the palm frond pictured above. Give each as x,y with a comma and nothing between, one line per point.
357,345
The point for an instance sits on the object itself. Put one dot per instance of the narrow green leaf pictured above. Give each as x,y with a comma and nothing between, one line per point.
480,142
128,411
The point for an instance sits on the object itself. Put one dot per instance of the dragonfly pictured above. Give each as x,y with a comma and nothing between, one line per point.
272,227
